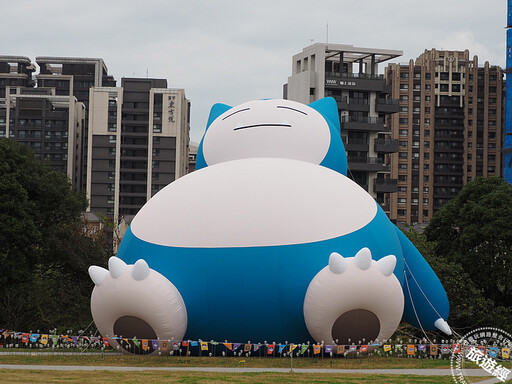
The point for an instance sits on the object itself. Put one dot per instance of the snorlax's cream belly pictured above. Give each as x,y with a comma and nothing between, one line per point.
241,240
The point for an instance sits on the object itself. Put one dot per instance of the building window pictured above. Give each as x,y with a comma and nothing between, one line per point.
155,164
112,151
425,189
402,144
111,187
404,109
111,139
404,87
403,132
157,128
402,200
402,167
426,167
402,178
111,175
404,98
402,212
402,155
427,121
404,75
403,121
112,127
402,189
414,201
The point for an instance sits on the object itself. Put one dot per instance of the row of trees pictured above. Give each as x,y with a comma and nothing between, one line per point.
468,243
44,253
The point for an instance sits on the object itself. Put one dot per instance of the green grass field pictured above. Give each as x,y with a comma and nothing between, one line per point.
230,362
90,377
148,377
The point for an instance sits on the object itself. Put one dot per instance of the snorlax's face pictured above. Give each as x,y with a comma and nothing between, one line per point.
267,128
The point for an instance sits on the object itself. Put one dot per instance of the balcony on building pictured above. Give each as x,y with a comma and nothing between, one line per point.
356,81
355,123
385,145
386,105
381,185
355,144
368,164
346,104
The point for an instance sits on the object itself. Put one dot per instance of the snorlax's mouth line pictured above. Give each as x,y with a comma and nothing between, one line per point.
262,125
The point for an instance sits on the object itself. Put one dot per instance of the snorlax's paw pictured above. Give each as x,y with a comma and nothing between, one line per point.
135,301
354,298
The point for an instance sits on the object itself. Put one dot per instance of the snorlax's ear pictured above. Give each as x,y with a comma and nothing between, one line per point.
329,110
217,110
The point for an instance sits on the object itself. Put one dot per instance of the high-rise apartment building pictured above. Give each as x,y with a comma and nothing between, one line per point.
49,123
449,129
350,75
15,71
74,76
137,143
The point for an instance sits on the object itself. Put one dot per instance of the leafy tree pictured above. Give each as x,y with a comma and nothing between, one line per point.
470,248
44,254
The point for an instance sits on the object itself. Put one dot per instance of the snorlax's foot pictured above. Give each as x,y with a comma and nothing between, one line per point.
135,301
354,299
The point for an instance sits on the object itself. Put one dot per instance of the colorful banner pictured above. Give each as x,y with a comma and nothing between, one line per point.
281,347
317,348
247,347
364,348
411,349
145,344
340,349
433,349
352,348
105,342
194,344
164,345
493,352
505,353
456,348
387,347
24,338
422,347
184,343
236,345
304,348
270,349
328,348
154,344
204,346
292,347
34,337
228,346
257,346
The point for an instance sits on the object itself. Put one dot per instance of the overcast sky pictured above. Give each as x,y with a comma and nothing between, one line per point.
232,51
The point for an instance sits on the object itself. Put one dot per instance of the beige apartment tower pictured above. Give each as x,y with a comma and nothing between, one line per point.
350,75
138,143
449,130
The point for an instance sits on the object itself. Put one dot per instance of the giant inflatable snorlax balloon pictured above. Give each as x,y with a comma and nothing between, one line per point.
267,240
